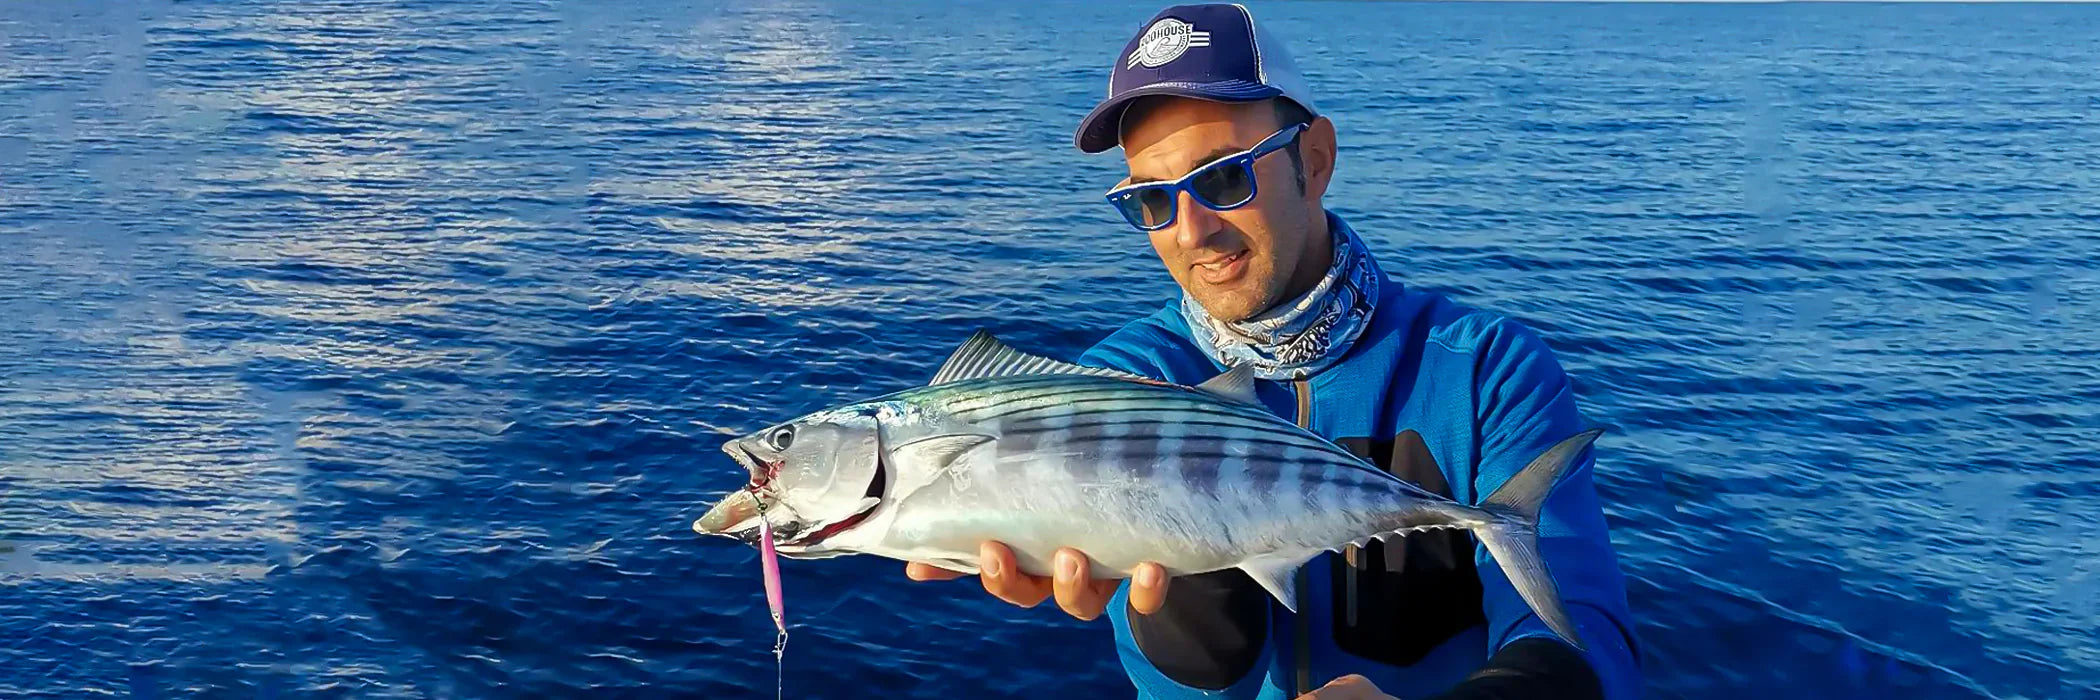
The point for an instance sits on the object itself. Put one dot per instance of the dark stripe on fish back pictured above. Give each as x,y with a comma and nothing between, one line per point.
1333,470
1227,429
1212,443
1202,459
1204,462
1139,403
1257,432
1138,456
1005,407
1135,397
990,407
1028,442
1177,415
1094,443
1266,463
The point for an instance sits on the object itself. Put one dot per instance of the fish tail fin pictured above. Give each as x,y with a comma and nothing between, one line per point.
1512,535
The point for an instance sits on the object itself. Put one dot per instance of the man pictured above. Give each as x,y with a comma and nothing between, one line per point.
1228,161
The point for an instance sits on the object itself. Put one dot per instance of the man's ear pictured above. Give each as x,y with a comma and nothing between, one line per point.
1316,147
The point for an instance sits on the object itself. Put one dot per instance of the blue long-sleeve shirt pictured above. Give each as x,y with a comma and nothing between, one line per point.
1452,398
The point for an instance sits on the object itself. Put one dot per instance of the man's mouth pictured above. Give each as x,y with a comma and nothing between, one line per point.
1221,269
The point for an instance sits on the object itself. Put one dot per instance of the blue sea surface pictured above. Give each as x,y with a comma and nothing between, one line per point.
383,349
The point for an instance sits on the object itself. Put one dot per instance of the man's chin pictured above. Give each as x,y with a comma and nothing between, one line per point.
1229,305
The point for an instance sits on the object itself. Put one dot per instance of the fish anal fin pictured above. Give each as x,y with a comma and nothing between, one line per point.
1278,576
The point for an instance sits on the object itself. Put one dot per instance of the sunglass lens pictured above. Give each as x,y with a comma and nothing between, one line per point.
1148,208
1225,184
1127,204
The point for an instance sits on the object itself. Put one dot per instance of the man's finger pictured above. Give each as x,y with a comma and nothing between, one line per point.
918,571
1105,589
1349,687
1075,590
1148,588
1003,579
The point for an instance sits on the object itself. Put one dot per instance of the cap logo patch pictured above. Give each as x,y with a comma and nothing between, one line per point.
1165,41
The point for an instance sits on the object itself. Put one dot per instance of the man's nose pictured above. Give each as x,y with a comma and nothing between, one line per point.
1194,223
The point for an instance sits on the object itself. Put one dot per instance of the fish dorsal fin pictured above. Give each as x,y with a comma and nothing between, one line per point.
1278,576
1236,384
984,356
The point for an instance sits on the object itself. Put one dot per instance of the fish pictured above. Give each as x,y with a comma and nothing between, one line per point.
1039,454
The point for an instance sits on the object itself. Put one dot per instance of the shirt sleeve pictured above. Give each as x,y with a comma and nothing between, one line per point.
1529,669
1525,403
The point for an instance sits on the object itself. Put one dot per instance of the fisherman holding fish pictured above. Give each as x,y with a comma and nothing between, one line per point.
1300,479
1228,159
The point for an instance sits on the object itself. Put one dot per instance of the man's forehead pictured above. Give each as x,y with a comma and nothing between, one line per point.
1171,163
1168,142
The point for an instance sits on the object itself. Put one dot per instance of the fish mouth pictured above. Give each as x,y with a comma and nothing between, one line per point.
737,514
762,471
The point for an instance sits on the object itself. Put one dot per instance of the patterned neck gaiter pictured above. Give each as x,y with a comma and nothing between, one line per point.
1298,338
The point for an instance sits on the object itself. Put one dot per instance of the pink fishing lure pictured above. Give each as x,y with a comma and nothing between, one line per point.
769,561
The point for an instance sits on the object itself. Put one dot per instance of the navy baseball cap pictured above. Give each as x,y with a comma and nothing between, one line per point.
1209,52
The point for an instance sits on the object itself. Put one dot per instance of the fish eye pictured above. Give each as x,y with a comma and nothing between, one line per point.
781,438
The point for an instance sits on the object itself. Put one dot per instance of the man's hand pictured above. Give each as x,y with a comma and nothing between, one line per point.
1349,687
1078,595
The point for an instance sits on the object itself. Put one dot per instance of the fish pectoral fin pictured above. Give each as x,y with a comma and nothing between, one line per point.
936,451
1236,384
985,356
1277,575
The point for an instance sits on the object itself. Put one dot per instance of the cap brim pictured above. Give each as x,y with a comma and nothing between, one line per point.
1098,131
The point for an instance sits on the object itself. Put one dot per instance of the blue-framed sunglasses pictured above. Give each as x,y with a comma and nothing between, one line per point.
1223,184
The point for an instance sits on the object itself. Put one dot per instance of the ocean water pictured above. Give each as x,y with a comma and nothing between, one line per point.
383,349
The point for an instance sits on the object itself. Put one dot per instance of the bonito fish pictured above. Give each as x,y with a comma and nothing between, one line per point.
1040,454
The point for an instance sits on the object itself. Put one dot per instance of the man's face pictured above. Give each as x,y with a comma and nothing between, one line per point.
1234,263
